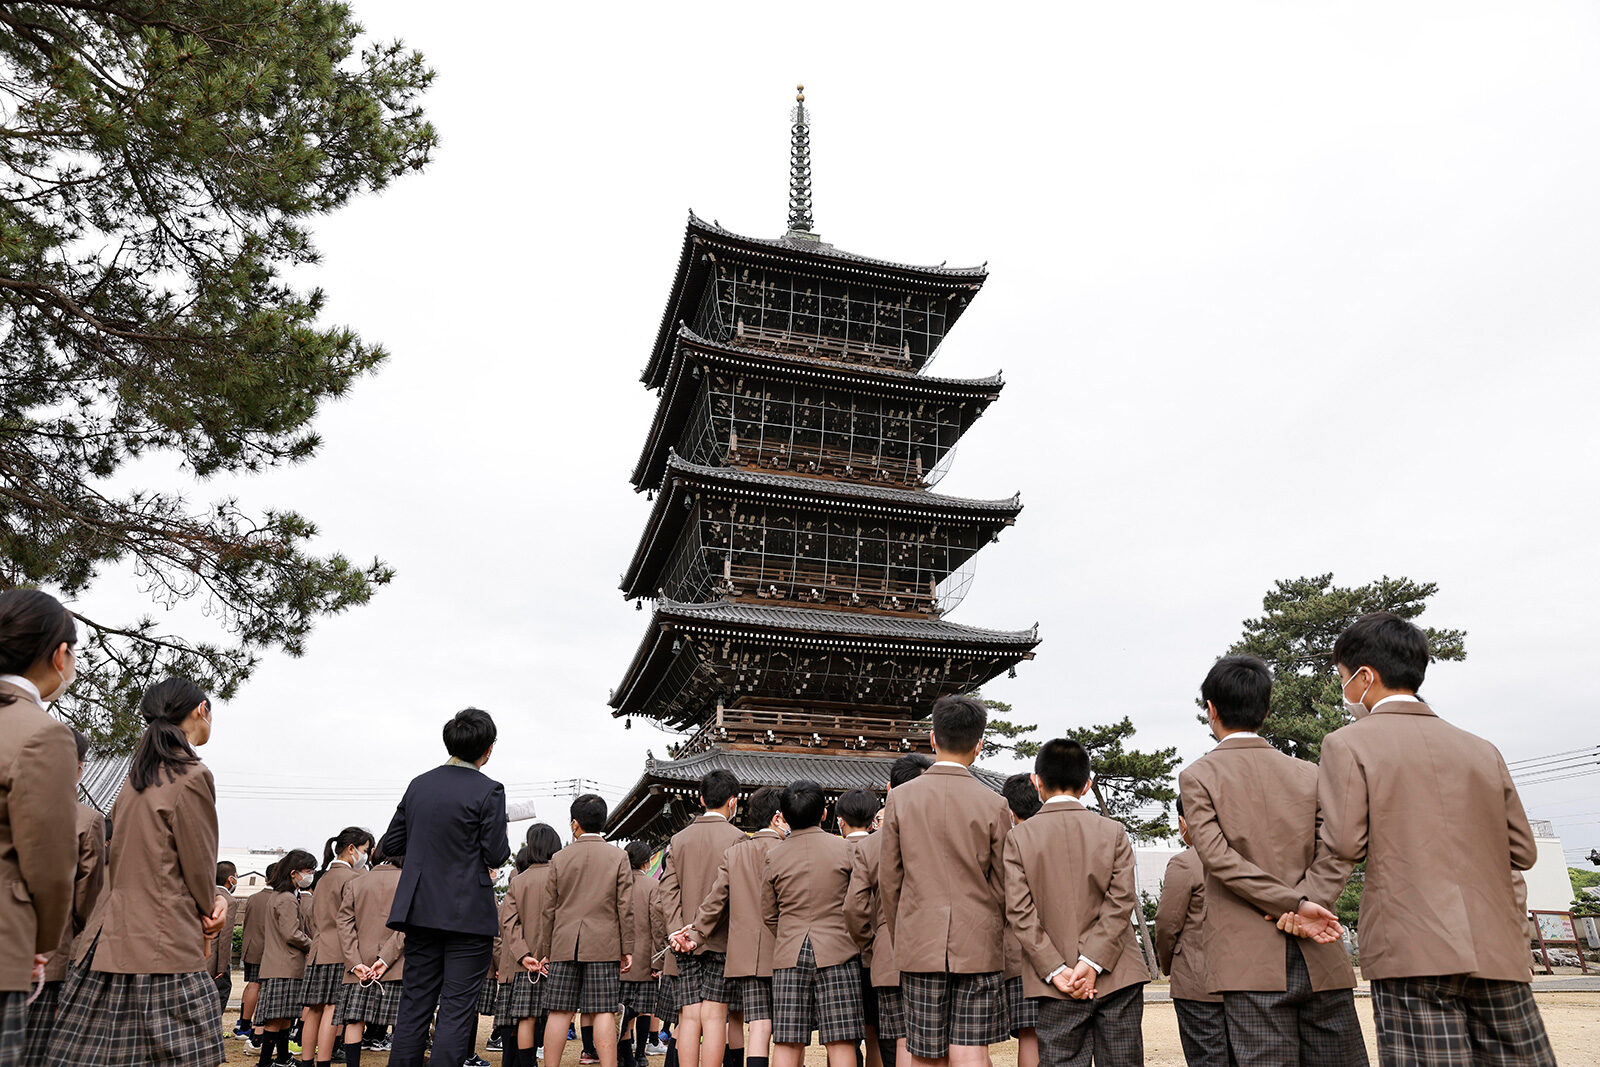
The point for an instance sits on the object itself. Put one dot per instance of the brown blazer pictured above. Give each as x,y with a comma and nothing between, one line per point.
219,958
162,878
526,893
283,953
254,936
803,888
38,766
863,910
943,836
1252,815
506,966
1069,892
86,886
644,931
1180,917
668,963
586,913
1433,811
325,904
306,902
693,860
734,904
363,923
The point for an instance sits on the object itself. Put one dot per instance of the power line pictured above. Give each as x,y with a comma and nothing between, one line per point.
1554,755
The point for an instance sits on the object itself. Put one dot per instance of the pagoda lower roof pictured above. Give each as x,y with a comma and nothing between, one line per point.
666,795
816,258
683,477
677,395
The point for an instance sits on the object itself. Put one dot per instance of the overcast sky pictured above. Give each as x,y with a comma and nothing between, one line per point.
1277,290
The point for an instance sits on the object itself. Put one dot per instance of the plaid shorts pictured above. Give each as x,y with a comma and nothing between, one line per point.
1022,1011
595,986
279,999
945,1009
488,994
41,1023
806,997
1297,1025
126,1019
750,997
322,984
891,1012
1108,1030
701,978
667,999
252,972
639,998
525,997
1456,1020
13,1026
375,1003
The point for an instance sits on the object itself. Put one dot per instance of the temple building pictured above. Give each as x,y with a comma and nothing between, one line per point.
798,563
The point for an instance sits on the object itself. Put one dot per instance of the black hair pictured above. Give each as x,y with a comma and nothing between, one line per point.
1240,688
541,843
857,807
1396,650
762,806
350,835
226,870
280,875
163,746
32,626
380,856
958,723
82,742
716,788
1021,796
802,804
267,874
469,734
639,853
1062,765
907,767
589,812
1178,802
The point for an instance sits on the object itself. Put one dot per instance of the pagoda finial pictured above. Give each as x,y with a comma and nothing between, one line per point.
800,222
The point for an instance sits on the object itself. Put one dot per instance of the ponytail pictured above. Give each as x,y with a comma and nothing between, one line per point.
350,835
32,626
164,747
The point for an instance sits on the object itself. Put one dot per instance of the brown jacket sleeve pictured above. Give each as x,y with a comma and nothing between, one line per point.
769,898
91,875
671,895
1104,939
859,913
286,922
658,935
392,948
43,810
625,905
517,930
194,830
715,906
1171,912
349,941
544,924
1243,878
1022,912
891,867
1524,850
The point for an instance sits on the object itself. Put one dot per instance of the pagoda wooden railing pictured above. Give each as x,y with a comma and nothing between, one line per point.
817,728
816,586
841,464
837,349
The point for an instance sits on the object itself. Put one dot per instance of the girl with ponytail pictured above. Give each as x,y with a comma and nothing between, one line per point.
526,895
344,854
38,806
283,954
140,992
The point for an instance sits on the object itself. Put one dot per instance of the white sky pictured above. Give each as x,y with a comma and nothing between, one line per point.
1277,289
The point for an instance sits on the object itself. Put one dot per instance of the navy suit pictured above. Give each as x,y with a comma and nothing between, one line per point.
451,828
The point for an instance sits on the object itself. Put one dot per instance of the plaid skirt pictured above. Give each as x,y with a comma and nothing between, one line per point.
750,997
375,1003
639,998
584,987
252,973
944,1009
41,1024
667,999
322,983
1021,1010
488,994
13,1026
525,997
280,999
130,1020
806,997
891,1012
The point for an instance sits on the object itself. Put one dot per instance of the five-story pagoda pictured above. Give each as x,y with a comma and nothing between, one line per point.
799,563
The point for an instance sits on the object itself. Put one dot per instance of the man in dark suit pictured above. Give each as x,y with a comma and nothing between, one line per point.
451,828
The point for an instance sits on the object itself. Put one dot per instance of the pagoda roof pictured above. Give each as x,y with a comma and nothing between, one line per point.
682,476
677,395
664,781
804,256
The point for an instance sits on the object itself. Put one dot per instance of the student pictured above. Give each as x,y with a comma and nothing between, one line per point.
816,967
667,986
489,993
285,946
638,983
343,856
1022,797
37,803
733,903
219,963
86,885
692,863
1070,899
869,925
941,869
373,954
451,827
1252,816
525,894
1180,917
140,992
584,928
252,940
1443,937
856,812
506,970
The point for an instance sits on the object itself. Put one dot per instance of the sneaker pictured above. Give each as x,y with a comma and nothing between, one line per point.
338,1054
655,1048
294,1047
475,1060
382,1045
254,1040
493,1045
588,1057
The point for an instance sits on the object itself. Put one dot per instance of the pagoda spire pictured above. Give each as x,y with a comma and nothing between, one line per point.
800,221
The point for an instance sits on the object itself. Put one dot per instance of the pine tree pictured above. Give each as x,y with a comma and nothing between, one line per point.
158,165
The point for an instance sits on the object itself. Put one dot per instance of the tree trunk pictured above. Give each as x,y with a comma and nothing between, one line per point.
1147,946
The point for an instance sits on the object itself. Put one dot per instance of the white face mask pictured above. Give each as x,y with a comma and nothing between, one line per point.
66,680
1355,708
304,881
361,860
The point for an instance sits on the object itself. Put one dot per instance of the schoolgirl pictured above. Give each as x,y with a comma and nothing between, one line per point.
252,939
372,954
283,955
526,893
343,856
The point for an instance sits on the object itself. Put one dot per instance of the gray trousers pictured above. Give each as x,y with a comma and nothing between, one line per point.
1297,1027
1203,1029
1107,1031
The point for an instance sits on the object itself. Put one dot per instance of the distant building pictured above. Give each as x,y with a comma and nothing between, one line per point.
1549,884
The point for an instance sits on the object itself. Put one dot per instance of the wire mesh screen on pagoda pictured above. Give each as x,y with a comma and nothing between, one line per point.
799,315
740,420
786,553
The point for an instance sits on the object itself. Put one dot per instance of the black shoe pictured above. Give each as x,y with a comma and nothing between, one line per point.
493,1045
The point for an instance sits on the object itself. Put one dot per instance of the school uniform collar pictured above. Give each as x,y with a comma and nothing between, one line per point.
945,766
768,831
1243,739
453,762
1064,802
853,834
704,815
1403,704
29,690
586,835
804,830
341,863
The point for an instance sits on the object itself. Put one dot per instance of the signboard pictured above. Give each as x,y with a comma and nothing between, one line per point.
1557,928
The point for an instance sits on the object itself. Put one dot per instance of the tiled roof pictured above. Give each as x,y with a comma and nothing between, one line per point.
819,621
102,781
833,366
781,768
864,491
823,250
